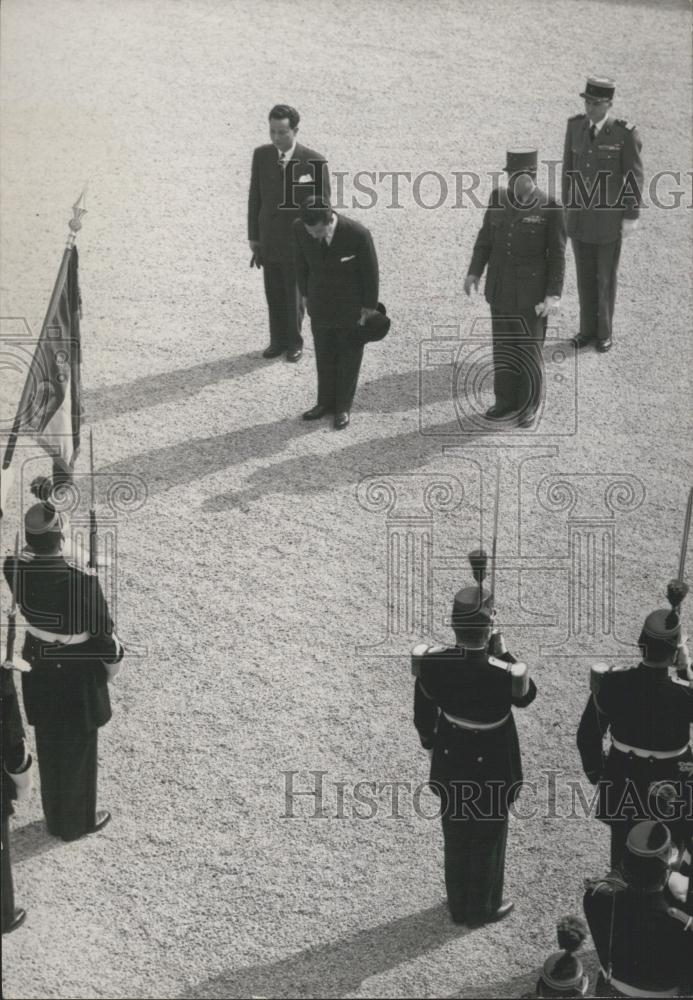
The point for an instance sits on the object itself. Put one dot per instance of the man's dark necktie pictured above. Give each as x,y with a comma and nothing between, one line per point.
593,132
324,247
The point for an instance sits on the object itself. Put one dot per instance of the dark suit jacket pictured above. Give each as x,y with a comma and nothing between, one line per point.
67,688
277,193
524,249
614,156
345,281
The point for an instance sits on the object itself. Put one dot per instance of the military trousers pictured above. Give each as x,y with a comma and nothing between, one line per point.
7,884
338,357
518,362
68,767
596,265
284,304
474,867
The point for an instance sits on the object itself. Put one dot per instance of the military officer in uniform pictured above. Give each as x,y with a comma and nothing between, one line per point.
644,944
648,716
522,240
72,649
463,698
602,194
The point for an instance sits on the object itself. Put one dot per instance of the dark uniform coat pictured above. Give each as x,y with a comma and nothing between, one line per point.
472,686
338,281
275,196
651,949
66,693
524,251
67,687
641,708
611,167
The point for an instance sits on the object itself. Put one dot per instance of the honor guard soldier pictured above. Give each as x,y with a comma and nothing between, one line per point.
602,194
648,716
522,240
563,974
72,650
644,944
463,700
16,784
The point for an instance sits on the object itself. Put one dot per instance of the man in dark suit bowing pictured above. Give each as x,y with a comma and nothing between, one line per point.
337,274
284,173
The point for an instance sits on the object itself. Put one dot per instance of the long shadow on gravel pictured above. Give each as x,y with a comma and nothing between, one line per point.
317,473
151,390
30,840
337,969
192,459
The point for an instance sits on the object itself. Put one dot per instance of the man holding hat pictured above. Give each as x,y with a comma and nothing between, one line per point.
602,194
463,699
522,240
337,273
645,946
69,641
648,716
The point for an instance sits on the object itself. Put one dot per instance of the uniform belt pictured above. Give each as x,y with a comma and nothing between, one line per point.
64,640
657,754
468,724
633,991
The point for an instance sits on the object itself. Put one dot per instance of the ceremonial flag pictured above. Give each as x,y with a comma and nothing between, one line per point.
50,408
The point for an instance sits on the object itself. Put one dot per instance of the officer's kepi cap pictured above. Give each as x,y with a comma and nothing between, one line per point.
521,161
660,635
648,848
471,609
41,520
599,88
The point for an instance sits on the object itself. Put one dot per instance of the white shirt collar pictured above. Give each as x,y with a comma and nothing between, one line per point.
288,155
598,126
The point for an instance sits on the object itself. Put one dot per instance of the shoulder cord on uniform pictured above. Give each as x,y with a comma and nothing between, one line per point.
682,917
598,715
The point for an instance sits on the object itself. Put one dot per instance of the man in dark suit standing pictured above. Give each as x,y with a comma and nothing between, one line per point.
284,173
337,273
602,192
69,643
522,240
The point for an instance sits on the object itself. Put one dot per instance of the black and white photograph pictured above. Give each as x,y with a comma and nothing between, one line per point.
346,490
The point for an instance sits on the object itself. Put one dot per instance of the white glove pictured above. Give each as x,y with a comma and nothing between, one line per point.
550,305
628,227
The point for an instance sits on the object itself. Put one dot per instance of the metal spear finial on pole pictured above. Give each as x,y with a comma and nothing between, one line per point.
78,210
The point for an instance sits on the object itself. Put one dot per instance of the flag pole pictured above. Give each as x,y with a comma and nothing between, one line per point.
75,224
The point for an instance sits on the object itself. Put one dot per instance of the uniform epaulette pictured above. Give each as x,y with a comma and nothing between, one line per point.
499,663
420,650
682,917
624,124
576,118
606,884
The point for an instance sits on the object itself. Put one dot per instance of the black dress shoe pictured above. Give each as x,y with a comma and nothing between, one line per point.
17,921
506,907
582,341
294,355
341,421
604,345
103,817
316,412
497,412
272,352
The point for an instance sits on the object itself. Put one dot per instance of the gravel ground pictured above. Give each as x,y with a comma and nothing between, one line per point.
252,577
